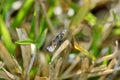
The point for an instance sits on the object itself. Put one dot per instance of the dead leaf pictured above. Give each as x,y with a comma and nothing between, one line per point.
8,60
26,49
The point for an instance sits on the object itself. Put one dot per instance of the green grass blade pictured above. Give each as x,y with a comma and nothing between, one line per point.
22,13
32,30
83,10
7,7
116,19
116,31
6,36
91,19
107,53
24,42
42,25
78,47
41,39
74,6
96,36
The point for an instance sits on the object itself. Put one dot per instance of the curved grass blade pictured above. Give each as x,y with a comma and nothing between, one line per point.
25,49
41,39
24,42
6,8
22,13
78,47
83,10
6,36
10,63
32,29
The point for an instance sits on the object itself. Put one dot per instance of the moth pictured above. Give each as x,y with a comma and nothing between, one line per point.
59,38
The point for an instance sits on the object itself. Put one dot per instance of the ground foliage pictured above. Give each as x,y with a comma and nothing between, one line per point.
59,39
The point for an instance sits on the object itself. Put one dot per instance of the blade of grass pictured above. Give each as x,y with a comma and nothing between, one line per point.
98,69
70,68
42,25
84,68
33,50
111,56
83,10
91,19
41,39
104,72
110,65
96,36
8,74
50,26
26,50
1,5
7,7
116,19
116,31
60,49
105,62
106,29
74,6
22,13
78,47
44,64
32,29
8,60
57,67
6,37
24,42
41,78
3,75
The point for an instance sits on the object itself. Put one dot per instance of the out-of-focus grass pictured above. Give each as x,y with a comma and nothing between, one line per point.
23,42
116,31
6,36
96,35
81,13
42,25
47,23
107,53
22,13
33,71
32,29
116,18
84,51
6,6
91,19
41,39
74,6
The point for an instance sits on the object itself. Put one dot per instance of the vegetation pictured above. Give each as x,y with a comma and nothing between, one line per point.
59,39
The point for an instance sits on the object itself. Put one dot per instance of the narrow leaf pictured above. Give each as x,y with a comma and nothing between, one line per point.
22,13
78,47
83,10
24,42
25,49
9,62
41,39
6,36
32,29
